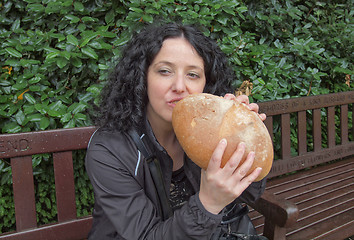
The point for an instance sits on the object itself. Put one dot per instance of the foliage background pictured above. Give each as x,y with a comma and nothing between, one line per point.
55,56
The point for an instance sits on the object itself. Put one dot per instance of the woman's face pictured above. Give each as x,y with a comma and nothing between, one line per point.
176,72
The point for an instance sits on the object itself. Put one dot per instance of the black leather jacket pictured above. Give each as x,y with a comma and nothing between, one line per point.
126,205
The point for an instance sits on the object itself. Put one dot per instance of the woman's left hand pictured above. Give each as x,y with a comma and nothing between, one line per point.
244,99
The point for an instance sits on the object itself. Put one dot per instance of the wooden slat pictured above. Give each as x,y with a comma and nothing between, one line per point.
64,186
297,104
337,232
344,123
315,207
257,220
311,159
285,136
341,192
319,186
302,132
353,120
307,181
23,189
269,124
24,144
77,229
331,128
332,218
317,129
301,175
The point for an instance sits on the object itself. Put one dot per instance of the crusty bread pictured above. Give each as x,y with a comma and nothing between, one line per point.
201,120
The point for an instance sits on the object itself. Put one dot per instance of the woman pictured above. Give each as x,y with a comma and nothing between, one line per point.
160,66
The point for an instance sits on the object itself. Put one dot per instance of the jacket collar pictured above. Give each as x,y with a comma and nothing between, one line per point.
192,171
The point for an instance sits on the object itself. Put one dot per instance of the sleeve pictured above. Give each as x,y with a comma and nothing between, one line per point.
253,192
133,215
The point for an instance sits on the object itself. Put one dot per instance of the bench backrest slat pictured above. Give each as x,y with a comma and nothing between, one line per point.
331,128
285,133
302,132
64,185
23,190
344,123
269,124
353,119
317,129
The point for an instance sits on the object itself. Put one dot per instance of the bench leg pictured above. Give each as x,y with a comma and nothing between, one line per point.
274,232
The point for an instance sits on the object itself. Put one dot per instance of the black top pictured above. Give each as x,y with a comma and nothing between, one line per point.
180,189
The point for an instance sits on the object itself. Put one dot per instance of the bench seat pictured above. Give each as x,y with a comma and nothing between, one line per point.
324,196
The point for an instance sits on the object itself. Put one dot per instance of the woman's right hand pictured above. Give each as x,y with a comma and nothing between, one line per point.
221,186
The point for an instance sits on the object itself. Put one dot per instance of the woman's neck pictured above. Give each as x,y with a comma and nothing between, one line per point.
166,136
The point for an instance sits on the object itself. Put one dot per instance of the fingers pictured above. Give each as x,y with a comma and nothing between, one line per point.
239,172
251,106
235,159
262,116
215,161
241,176
255,108
230,96
242,170
232,167
220,186
243,99
252,177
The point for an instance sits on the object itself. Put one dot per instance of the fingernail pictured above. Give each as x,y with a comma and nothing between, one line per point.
223,141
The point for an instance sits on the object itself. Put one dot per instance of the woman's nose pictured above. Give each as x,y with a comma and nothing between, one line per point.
179,84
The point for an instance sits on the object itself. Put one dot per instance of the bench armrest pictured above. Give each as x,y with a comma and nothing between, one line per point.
280,212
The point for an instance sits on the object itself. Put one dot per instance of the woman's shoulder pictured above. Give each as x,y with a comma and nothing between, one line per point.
112,141
112,148
101,136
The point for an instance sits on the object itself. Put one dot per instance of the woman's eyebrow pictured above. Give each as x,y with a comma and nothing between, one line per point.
172,64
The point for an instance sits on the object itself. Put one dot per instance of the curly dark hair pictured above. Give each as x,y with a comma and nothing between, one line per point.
124,98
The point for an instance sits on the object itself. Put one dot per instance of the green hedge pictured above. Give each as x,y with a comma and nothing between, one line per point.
55,56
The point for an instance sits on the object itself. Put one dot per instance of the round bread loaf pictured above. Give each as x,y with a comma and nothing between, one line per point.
201,120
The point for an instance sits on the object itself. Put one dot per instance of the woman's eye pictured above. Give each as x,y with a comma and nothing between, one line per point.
193,75
164,71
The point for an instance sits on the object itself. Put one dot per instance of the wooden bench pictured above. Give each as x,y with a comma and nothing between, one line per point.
288,204
20,148
317,202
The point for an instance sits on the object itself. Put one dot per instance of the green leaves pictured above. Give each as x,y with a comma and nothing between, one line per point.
89,52
72,40
29,98
13,52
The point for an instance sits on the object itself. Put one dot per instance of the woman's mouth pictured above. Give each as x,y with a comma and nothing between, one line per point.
174,102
